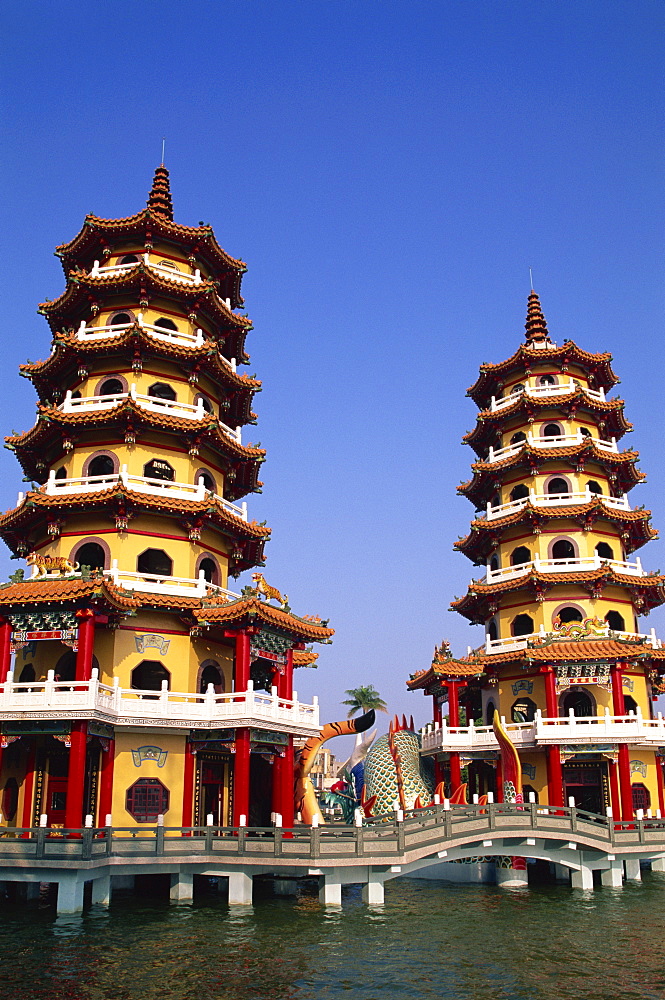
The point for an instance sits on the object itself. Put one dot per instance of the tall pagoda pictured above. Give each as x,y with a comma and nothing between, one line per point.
140,685
564,662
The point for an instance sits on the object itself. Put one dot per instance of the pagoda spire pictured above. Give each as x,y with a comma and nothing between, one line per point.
535,326
159,199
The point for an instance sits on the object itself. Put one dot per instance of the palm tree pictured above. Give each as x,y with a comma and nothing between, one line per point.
361,699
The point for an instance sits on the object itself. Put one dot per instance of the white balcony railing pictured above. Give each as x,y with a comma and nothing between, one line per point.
186,411
578,565
154,583
560,441
545,391
172,272
138,484
555,500
631,728
128,706
513,643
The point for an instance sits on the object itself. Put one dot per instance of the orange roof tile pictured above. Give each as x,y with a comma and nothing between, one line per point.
262,611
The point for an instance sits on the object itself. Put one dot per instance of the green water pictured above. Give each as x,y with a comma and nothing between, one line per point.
429,940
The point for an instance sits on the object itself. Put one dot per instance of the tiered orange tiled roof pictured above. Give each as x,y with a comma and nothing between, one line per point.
262,612
159,199
484,534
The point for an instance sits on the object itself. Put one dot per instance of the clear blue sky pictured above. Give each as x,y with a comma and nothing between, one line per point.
389,171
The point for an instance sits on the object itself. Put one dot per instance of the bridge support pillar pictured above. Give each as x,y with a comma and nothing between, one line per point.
658,865
633,872
240,889
582,879
285,887
70,895
182,887
372,891
101,890
613,876
330,890
509,875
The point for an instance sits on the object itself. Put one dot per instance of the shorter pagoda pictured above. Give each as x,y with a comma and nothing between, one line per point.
564,661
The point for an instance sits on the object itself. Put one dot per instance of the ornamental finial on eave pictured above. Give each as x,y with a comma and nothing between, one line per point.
159,199
535,326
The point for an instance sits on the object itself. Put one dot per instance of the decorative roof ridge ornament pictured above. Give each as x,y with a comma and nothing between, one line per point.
535,326
159,199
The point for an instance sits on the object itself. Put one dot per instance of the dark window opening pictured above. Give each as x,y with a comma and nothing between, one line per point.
523,710
519,492
205,403
570,615
129,258
585,432
147,799
522,625
517,388
557,487
161,390
101,465
641,796
65,668
159,469
27,674
552,430
594,487
489,713
211,674
111,387
519,556
517,437
615,621
530,794
604,550
493,631
119,319
148,676
208,481
91,555
61,473
580,702
155,562
563,549
165,324
547,380
210,571
494,563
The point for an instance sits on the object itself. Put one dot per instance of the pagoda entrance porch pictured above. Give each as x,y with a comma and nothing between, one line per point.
587,782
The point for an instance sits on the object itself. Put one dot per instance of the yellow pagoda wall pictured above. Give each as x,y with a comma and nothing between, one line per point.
126,772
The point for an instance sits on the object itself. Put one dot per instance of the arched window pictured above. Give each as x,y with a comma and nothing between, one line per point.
165,324
641,796
208,480
101,465
570,614
615,621
580,702
111,387
523,710
492,631
161,390
490,709
148,676
517,437
519,556
61,473
210,570
211,674
604,550
155,562
552,430
92,555
519,492
204,401
563,549
129,258
522,625
120,319
585,432
516,389
558,487
547,380
494,563
65,668
629,704
157,468
27,674
594,487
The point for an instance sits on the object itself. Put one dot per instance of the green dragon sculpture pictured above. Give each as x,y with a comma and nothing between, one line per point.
396,773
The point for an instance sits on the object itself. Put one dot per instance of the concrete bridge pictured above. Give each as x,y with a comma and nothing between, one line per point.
380,849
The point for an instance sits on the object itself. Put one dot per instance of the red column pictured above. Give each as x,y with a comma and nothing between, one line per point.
188,787
287,809
242,662
453,720
661,785
614,791
5,648
86,643
554,769
241,777
106,783
28,787
76,776
619,704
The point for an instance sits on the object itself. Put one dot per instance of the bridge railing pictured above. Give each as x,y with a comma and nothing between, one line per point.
387,837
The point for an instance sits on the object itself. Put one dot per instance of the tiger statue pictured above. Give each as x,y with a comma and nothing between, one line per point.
263,589
51,564
304,795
